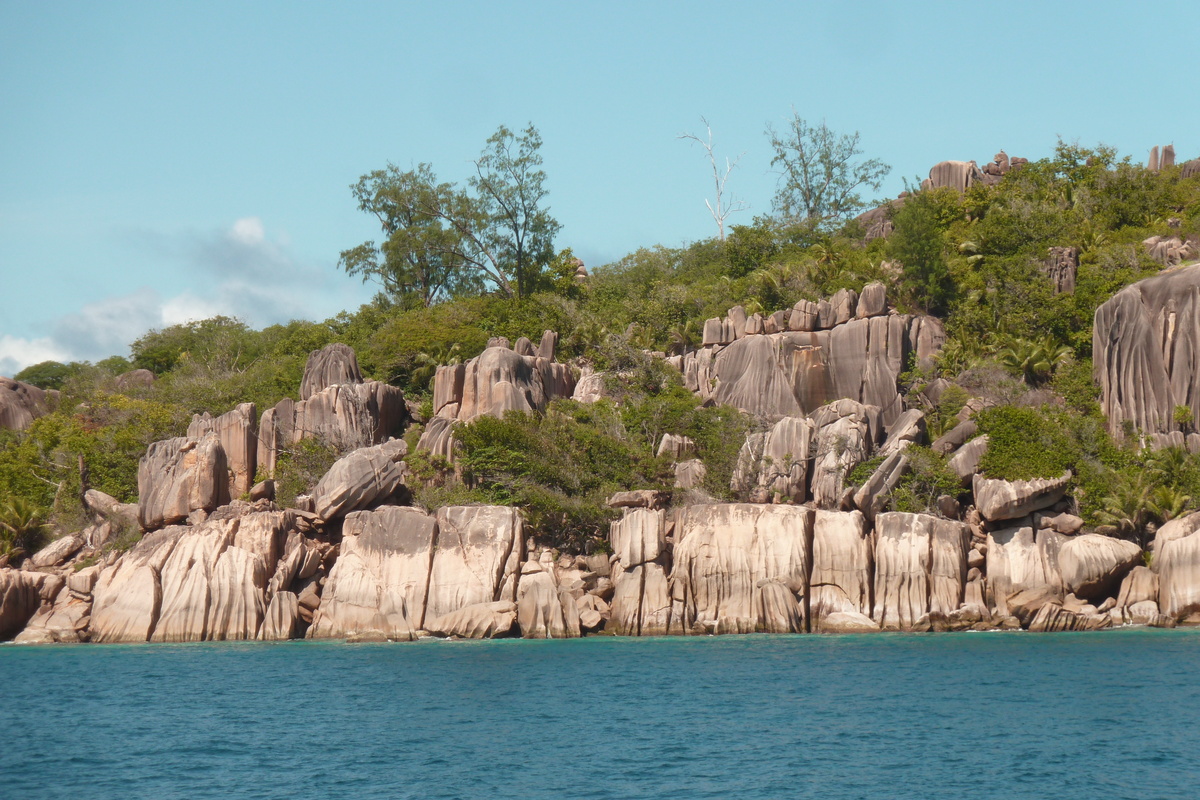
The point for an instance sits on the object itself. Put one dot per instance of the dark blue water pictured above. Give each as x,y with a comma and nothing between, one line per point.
1105,715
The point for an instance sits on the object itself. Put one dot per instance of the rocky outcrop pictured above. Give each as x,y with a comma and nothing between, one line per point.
1020,559
775,463
1093,566
499,380
478,621
1177,563
1000,500
958,175
920,569
793,362
641,602
478,553
135,379
379,583
20,597
845,437
237,431
178,476
1061,267
344,416
840,585
1146,351
360,480
1171,251
21,403
332,365
725,557
192,583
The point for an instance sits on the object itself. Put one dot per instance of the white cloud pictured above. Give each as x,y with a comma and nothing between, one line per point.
240,271
248,231
16,353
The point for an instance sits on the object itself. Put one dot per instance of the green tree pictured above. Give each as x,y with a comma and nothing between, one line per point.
421,261
820,176
47,374
919,244
445,240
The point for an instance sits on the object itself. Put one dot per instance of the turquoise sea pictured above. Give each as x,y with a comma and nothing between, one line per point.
1098,715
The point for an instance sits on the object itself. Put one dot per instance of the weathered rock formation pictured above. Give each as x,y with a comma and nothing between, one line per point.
178,476
500,379
1061,267
846,347
237,431
366,477
920,569
1146,350
332,365
726,558
776,461
22,403
1000,500
194,583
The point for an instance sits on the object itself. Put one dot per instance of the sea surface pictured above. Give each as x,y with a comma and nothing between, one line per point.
1114,714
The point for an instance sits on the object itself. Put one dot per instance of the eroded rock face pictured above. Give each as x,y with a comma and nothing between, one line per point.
722,552
360,480
332,365
641,602
844,440
843,562
825,354
999,500
345,416
22,403
544,610
959,175
500,380
1018,558
237,431
178,476
920,569
479,551
1146,350
1177,562
378,584
1093,566
19,599
776,461
192,583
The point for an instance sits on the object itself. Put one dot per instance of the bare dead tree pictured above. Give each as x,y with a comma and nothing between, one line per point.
723,206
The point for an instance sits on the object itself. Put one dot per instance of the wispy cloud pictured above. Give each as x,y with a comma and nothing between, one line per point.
241,271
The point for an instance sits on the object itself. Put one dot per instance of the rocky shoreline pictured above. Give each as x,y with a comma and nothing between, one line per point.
810,551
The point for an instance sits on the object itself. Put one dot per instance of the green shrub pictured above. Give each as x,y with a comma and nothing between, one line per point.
1024,444
299,467
927,479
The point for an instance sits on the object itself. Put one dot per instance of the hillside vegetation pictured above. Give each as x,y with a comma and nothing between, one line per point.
973,259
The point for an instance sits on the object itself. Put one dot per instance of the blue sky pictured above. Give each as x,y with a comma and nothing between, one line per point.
168,161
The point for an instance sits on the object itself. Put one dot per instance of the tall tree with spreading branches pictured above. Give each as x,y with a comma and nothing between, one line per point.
820,176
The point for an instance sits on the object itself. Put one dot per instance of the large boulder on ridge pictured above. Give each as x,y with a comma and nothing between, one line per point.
21,403
1146,352
332,365
361,479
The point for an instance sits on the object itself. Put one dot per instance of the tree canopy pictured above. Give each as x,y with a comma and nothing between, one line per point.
446,241
820,178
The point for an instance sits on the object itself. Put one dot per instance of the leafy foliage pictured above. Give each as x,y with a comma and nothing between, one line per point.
820,177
